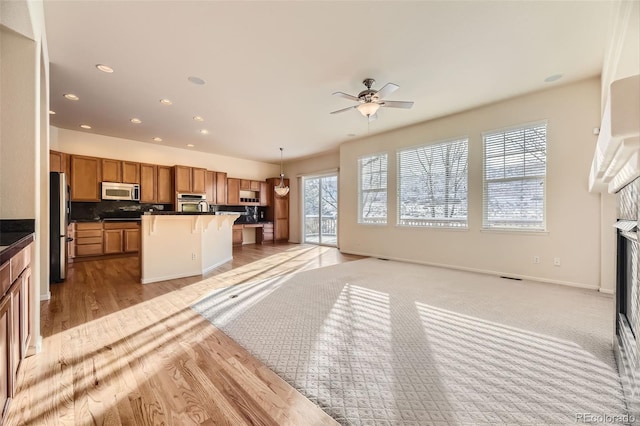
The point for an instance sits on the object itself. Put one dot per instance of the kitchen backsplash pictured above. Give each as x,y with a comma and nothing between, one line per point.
97,211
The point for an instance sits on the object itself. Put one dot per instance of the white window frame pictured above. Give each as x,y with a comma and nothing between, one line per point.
361,192
513,227
441,222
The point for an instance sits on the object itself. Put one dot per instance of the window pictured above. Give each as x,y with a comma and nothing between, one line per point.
372,185
515,167
432,185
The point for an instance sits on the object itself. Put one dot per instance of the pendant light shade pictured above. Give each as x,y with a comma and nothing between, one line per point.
281,189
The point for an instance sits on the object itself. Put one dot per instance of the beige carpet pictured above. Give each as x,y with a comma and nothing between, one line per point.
377,342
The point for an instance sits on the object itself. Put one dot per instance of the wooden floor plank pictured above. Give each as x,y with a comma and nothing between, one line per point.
118,352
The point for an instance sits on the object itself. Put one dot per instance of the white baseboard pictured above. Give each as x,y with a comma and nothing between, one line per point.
150,280
45,297
215,265
606,290
483,271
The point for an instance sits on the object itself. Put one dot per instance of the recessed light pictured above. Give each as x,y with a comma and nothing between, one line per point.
52,112
552,78
71,96
157,139
204,132
165,102
190,145
198,118
85,126
104,68
135,120
196,80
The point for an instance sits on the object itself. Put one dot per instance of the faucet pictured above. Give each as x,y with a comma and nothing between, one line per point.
206,206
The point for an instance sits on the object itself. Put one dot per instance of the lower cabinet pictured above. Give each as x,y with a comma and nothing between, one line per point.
98,238
265,234
237,235
16,321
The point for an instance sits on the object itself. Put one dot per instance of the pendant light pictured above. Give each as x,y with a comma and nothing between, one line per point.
281,189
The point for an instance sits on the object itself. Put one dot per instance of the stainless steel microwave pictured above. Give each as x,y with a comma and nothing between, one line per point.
120,191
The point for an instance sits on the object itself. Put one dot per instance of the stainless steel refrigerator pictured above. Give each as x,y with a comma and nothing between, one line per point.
58,221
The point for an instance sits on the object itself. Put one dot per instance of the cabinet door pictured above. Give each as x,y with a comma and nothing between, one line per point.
5,353
245,185
111,170
221,188
131,240
198,180
112,241
237,235
26,317
56,161
15,335
130,172
263,193
281,216
255,185
164,192
211,187
183,178
233,191
85,178
148,185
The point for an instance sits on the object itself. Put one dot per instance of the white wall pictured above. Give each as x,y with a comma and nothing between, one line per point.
84,143
573,214
294,171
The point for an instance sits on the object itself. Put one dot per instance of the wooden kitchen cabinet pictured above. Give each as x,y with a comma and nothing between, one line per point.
88,239
121,237
57,161
198,180
26,306
265,233
130,172
85,178
210,187
221,188
233,191
255,186
148,183
15,344
5,353
183,178
245,185
164,189
278,210
237,235
263,193
111,170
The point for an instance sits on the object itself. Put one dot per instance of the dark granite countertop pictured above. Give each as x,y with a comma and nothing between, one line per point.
15,234
165,213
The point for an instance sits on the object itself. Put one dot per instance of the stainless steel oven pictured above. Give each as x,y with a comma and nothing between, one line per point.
192,203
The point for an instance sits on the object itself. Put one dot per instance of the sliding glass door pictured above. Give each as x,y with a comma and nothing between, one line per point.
321,210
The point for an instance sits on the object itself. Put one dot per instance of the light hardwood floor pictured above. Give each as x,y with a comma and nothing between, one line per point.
118,352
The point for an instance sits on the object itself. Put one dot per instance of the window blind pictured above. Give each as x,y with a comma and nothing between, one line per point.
515,167
432,185
372,189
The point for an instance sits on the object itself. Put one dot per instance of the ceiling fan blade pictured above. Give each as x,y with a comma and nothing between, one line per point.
372,117
396,104
344,109
346,96
387,89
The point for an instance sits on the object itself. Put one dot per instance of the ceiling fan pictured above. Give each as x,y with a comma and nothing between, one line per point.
370,100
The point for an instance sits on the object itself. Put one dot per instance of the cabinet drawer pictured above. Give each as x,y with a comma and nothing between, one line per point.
5,277
89,240
83,226
19,262
121,225
91,233
89,250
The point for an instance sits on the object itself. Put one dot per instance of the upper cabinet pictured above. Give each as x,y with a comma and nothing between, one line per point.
190,179
221,188
130,172
210,184
148,183
57,161
233,191
246,192
85,178
120,171
164,190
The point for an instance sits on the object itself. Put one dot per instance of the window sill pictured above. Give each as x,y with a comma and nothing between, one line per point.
436,228
514,231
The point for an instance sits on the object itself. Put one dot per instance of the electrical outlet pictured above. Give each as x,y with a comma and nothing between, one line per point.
193,256
536,259
556,261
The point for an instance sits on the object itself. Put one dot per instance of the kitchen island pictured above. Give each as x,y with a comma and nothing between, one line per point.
176,245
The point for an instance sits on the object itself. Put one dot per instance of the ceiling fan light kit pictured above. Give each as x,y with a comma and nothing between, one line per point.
371,100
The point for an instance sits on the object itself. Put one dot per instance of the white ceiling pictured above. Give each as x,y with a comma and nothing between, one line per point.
270,67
